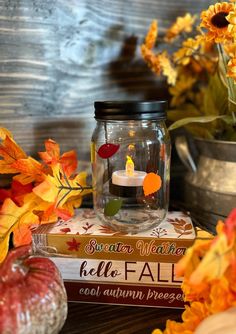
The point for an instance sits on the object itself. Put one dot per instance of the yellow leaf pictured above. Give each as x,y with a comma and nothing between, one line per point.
22,234
10,152
215,261
10,216
4,132
58,188
30,170
152,183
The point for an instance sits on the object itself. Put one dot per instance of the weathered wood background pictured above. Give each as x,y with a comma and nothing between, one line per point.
58,56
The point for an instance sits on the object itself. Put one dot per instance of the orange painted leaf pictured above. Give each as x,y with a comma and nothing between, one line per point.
30,170
152,183
10,153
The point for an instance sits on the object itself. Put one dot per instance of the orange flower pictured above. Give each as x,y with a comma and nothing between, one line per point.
167,68
151,37
215,21
232,21
182,24
152,60
189,47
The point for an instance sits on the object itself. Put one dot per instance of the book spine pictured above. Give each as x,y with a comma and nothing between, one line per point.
122,272
131,248
125,294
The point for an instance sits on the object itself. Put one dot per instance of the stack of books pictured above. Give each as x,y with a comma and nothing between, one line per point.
100,265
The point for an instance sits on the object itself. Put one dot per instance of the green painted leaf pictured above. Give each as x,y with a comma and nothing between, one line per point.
112,207
200,119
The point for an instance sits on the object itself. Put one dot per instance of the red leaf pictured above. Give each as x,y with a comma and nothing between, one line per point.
4,194
65,230
107,150
73,245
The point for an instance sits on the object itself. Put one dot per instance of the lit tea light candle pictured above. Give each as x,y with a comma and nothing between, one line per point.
128,177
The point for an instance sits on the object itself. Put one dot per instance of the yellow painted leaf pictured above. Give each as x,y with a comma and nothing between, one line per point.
152,183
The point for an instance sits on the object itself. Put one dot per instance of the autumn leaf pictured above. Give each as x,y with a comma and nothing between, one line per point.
58,188
151,183
11,218
107,150
214,264
40,192
10,152
112,207
73,245
52,157
69,162
5,133
22,234
18,191
30,170
52,154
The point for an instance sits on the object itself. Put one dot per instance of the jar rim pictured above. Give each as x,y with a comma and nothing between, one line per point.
130,110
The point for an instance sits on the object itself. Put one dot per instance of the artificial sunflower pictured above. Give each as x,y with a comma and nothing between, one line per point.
214,19
232,21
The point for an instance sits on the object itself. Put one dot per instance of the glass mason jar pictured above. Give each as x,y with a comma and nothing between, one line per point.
130,156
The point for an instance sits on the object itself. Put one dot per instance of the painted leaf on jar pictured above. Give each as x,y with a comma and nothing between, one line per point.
152,183
112,207
107,150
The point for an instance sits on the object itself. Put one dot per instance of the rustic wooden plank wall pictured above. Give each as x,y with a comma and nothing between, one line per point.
58,56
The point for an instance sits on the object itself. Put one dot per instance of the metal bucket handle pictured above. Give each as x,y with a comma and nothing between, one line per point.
185,156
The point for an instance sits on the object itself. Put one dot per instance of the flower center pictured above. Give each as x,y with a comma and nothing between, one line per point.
219,20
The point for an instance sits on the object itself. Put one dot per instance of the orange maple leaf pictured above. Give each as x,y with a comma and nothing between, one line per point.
39,193
30,170
10,152
52,157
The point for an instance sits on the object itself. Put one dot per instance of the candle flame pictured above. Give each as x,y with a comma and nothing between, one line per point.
129,167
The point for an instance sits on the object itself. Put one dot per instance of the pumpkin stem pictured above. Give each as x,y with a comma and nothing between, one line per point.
12,269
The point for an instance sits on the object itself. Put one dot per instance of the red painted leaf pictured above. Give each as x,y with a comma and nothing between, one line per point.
73,245
65,230
107,150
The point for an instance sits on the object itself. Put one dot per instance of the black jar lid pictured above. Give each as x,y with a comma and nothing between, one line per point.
130,110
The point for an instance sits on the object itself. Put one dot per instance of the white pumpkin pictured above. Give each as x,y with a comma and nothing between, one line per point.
219,323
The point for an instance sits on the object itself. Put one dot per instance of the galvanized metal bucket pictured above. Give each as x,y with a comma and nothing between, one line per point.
210,184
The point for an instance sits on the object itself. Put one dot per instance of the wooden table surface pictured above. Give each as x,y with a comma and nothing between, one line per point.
113,319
